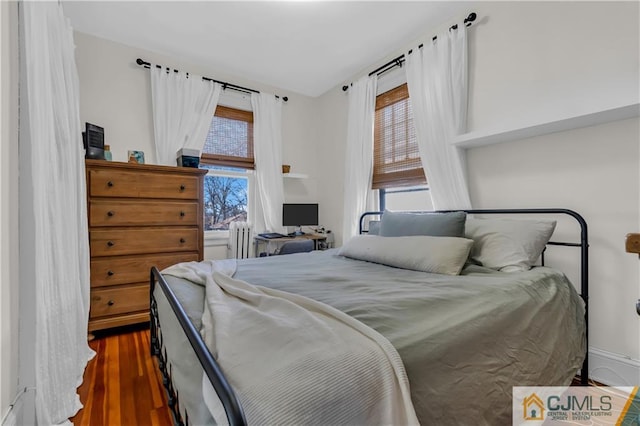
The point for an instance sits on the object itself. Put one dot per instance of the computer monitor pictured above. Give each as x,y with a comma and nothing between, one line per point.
299,215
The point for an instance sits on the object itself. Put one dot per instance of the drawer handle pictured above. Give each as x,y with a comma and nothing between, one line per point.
182,214
182,240
182,187
110,243
111,303
110,213
109,183
110,272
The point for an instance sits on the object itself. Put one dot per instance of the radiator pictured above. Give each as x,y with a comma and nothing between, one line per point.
240,238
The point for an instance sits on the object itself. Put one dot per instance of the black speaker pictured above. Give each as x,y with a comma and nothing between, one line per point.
93,138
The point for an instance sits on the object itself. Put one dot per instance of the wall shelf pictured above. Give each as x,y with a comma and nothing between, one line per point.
482,138
295,175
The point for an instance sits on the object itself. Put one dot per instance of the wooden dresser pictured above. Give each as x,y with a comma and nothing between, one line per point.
139,216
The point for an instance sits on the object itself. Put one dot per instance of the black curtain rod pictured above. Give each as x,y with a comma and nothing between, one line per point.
397,62
224,84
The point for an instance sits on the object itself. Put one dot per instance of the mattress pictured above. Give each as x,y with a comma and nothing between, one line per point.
480,333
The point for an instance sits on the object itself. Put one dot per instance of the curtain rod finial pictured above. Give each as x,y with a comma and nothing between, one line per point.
472,17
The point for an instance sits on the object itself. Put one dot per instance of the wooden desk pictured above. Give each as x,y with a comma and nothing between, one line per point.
258,240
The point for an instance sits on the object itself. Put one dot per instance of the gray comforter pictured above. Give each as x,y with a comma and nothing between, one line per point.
465,340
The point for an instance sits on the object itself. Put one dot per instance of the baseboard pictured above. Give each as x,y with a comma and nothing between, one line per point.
612,369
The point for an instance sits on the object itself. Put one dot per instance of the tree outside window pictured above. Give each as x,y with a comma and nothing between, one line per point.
225,201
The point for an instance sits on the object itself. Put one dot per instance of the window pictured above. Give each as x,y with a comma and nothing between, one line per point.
396,158
226,197
397,168
406,198
228,155
230,139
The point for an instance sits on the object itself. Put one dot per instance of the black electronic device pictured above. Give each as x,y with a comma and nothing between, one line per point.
299,215
93,138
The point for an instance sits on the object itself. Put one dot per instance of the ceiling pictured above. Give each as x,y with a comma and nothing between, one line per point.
307,47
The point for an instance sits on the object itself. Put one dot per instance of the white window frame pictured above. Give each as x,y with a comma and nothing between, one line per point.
213,235
418,190
241,101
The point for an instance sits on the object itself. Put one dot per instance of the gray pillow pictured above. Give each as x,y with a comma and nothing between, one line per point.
401,224
374,227
439,255
509,245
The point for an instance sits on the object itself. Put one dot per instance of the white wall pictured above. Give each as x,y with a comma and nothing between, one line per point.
536,61
9,284
540,60
115,94
533,62
594,171
331,113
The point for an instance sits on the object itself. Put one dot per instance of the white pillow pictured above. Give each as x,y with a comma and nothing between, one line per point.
508,245
440,255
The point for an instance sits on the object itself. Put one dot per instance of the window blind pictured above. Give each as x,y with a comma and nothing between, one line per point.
396,158
229,141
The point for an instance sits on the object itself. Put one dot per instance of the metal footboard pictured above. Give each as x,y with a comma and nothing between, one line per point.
584,257
232,406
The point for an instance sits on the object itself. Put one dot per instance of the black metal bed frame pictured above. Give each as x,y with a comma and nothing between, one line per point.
230,402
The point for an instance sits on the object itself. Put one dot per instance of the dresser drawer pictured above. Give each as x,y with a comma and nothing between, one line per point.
119,300
122,183
119,241
105,212
116,270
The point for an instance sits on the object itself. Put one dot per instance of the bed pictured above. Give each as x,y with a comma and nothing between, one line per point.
464,337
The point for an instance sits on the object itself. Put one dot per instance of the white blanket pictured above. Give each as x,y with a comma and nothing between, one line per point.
292,360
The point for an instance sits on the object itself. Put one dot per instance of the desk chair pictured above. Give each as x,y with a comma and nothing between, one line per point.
296,246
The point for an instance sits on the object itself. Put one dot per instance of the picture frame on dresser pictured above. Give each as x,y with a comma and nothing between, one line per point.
136,156
139,216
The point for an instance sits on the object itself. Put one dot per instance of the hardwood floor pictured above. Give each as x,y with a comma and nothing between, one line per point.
122,384
576,382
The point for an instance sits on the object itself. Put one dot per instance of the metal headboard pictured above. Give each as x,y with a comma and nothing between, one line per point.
584,256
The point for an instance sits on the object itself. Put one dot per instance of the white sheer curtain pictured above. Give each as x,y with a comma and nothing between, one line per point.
183,106
359,153
437,82
61,267
267,147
